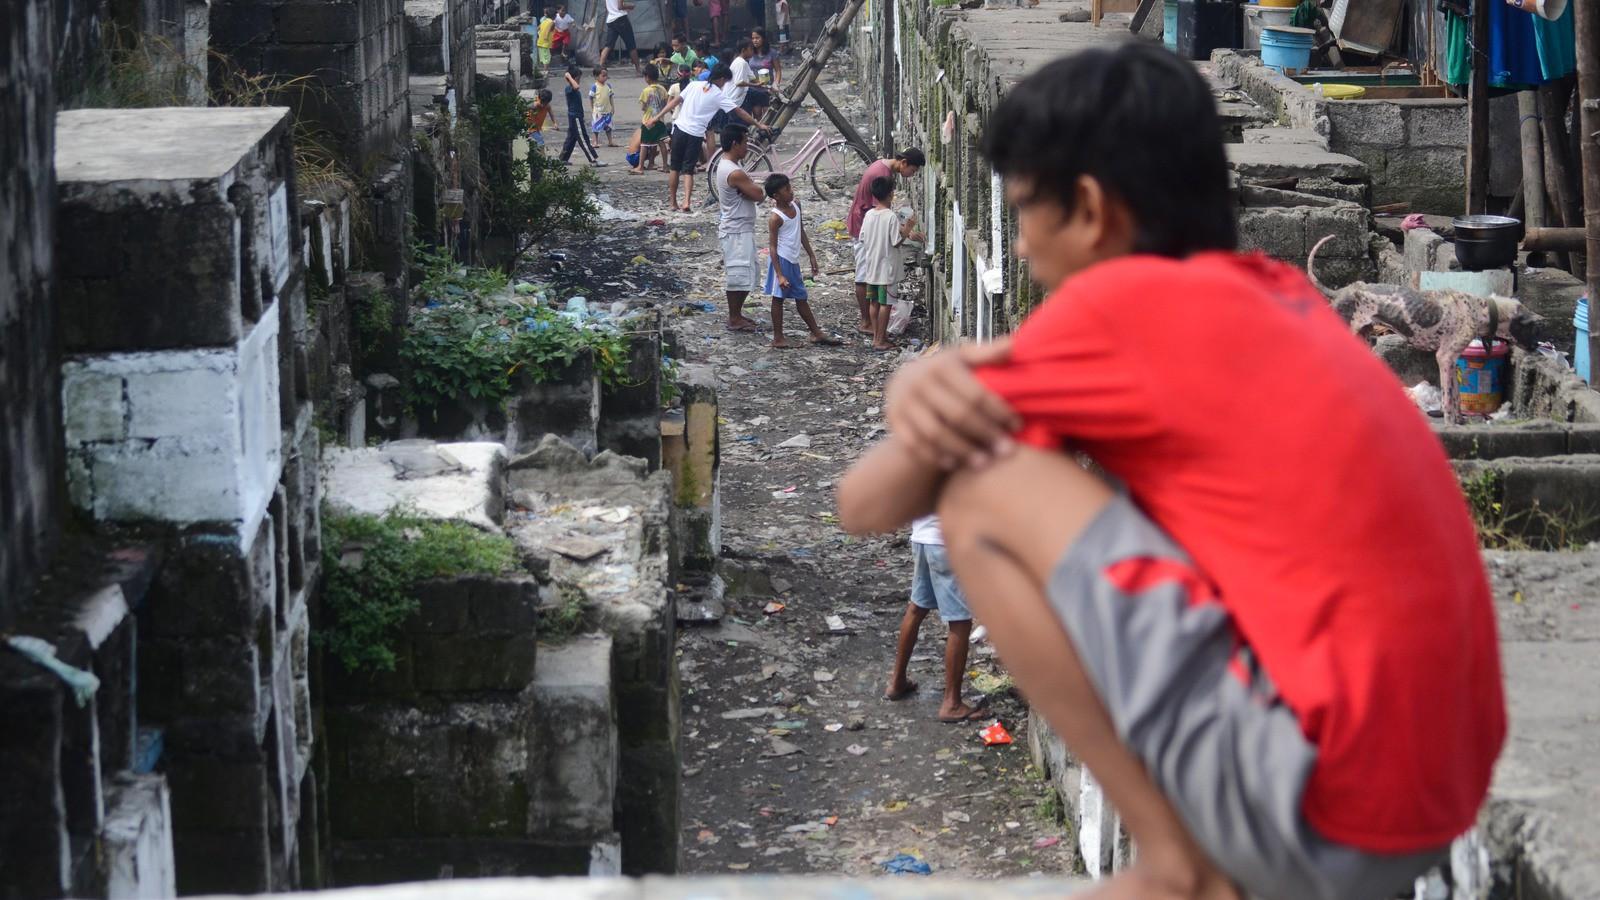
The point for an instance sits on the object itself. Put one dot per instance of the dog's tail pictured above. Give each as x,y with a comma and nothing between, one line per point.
1311,271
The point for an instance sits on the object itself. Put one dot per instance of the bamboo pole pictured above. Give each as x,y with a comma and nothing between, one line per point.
1532,158
1478,112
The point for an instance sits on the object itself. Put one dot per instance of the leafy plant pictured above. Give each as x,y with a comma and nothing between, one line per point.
534,197
669,381
474,338
373,567
566,619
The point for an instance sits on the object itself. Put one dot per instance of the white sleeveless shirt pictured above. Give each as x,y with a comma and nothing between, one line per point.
789,234
738,212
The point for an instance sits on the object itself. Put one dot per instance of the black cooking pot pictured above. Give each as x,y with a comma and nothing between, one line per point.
1486,242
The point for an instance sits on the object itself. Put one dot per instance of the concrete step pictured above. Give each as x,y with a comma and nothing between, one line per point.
572,741
1278,153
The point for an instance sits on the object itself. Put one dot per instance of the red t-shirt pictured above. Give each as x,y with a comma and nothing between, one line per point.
863,203
1272,445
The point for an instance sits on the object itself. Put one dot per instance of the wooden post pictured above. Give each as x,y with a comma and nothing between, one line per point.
832,37
1478,112
1532,158
1585,15
837,118
887,101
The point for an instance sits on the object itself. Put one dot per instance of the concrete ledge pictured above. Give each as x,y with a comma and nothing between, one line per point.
753,887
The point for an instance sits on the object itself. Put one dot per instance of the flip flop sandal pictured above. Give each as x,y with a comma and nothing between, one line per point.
977,715
911,688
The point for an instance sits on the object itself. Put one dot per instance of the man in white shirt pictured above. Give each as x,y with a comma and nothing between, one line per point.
618,25
699,103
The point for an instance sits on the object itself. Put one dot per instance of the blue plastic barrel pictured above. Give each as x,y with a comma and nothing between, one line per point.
1580,353
1169,25
1286,47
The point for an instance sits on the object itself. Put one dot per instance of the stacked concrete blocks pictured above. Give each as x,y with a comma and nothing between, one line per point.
691,451
440,42
187,411
30,450
603,529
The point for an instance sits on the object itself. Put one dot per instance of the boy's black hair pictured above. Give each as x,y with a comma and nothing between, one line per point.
545,97
1142,123
733,134
575,70
599,69
776,182
912,156
882,189
650,74
722,72
746,44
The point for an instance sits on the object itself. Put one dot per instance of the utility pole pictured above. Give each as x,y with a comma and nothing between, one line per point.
1586,24
1478,110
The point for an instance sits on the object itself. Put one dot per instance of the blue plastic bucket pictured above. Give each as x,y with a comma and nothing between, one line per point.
1169,25
1580,353
1286,47
1481,378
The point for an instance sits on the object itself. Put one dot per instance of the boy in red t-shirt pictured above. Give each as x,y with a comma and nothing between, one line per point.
1271,639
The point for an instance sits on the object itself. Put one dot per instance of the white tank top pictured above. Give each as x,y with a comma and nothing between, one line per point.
738,211
789,234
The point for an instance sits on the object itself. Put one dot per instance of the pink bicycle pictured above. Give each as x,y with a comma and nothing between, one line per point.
834,167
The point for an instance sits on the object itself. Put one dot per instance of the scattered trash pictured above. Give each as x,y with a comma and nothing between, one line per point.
610,515
1425,394
856,723
577,547
956,816
1044,842
790,725
995,734
752,712
1012,826
780,747
805,828
830,821
833,726
798,442
738,867
835,623
906,864
856,750
822,675
640,260
896,806
773,607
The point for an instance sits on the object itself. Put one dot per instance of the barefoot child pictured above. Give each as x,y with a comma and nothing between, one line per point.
1242,638
879,263
787,236
933,586
652,137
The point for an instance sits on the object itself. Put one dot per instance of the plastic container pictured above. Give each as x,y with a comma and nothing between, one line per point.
1481,378
1169,25
1339,91
1286,47
1207,25
1277,4
1580,353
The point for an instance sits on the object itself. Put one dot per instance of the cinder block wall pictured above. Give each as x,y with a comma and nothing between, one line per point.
352,51
30,392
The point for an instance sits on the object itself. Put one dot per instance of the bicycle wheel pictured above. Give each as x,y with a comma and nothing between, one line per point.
756,162
837,170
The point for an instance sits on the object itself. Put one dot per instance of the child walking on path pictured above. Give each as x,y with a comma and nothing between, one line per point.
787,236
879,264
603,99
577,133
561,37
933,586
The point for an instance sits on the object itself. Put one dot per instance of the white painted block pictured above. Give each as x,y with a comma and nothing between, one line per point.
93,405
176,435
325,230
278,235
137,839
194,398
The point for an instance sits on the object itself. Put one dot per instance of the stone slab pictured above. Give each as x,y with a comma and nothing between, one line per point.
436,481
573,755
1286,157
142,148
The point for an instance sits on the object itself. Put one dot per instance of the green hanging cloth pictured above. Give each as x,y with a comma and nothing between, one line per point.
1457,55
1306,15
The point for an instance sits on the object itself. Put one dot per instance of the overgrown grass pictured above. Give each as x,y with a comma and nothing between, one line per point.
373,566
565,620
1527,529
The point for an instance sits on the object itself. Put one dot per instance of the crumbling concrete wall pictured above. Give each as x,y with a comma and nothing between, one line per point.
30,449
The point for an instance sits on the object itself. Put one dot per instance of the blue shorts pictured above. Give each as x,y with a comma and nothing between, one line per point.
791,271
602,122
933,585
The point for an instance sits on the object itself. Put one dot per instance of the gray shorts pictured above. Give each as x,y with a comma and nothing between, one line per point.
1229,755
739,261
933,584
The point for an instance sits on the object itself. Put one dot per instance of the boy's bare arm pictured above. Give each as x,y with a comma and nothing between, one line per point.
887,488
773,224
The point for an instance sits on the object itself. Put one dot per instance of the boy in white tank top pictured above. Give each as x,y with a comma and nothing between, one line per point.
784,282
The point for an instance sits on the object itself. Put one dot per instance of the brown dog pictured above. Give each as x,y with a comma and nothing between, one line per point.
1441,322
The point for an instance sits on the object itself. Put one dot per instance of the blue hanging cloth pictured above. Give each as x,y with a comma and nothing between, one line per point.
1557,45
1513,49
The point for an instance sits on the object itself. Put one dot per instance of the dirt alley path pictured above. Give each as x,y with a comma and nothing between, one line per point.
793,762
